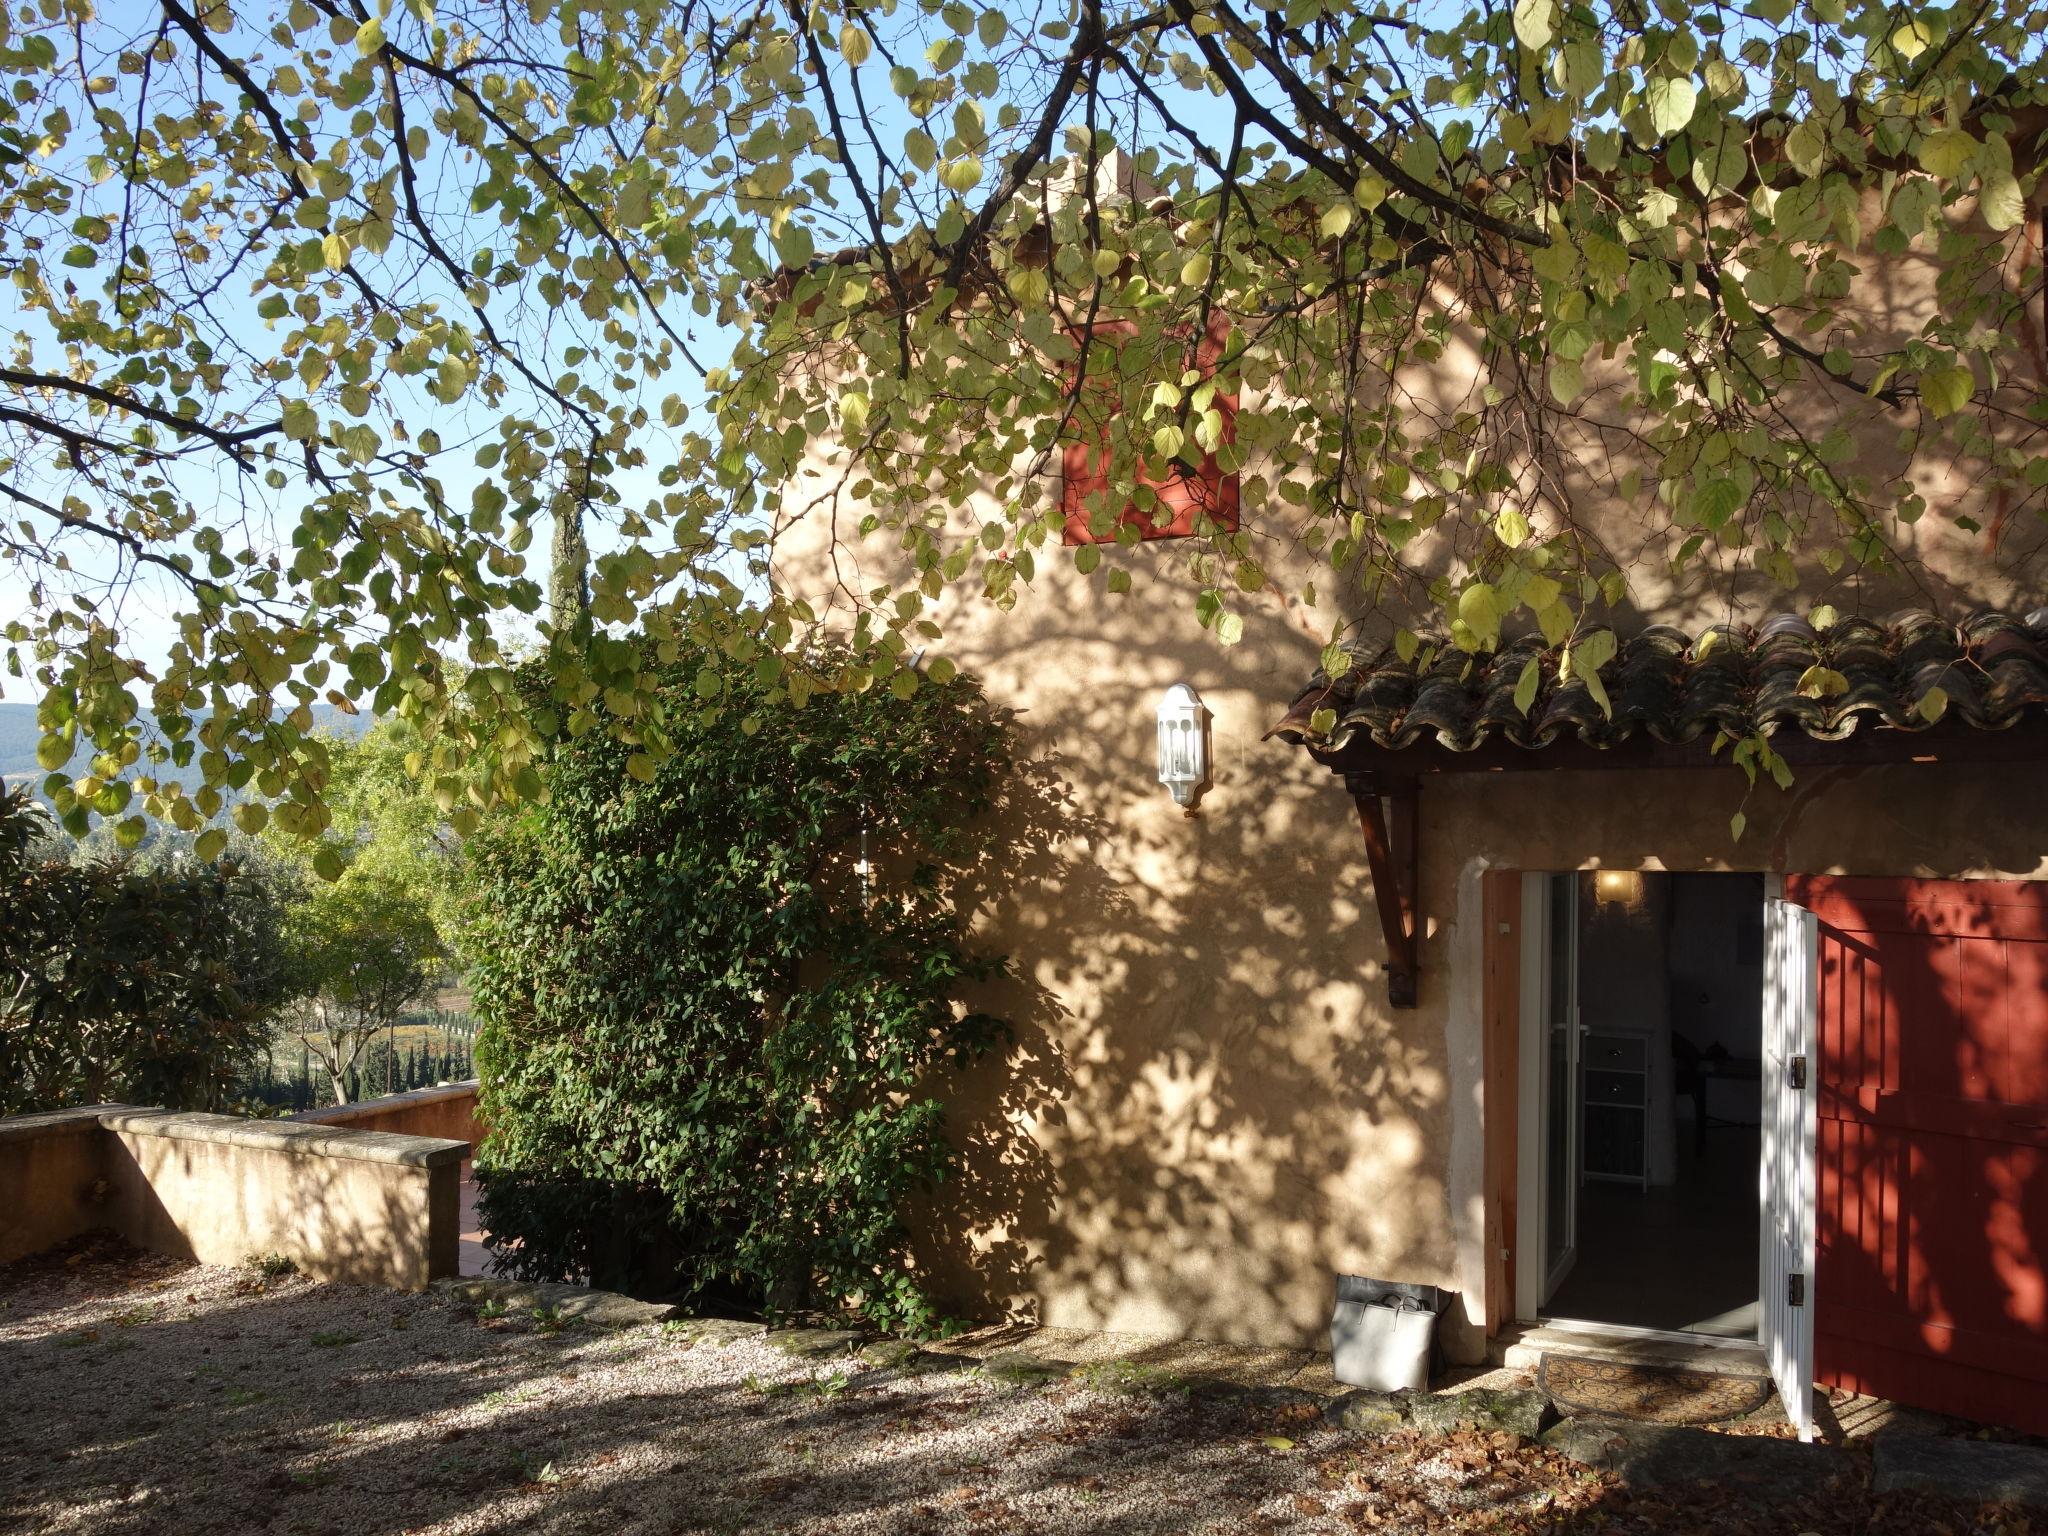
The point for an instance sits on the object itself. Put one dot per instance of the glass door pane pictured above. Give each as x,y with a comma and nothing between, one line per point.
1561,1084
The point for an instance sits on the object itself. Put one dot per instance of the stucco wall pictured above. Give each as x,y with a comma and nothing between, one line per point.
342,1204
52,1179
1210,1108
447,1111
349,1205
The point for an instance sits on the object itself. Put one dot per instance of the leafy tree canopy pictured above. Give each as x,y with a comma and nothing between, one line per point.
365,937
324,308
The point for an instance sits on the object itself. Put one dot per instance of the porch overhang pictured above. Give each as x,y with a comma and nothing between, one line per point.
1912,689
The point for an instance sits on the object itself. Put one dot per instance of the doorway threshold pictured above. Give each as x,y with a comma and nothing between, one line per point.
1522,1346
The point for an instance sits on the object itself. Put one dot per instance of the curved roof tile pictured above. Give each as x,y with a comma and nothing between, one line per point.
1664,685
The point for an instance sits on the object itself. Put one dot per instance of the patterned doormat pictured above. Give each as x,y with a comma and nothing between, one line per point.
1658,1394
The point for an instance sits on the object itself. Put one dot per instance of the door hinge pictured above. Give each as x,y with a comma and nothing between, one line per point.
1795,1290
1799,1072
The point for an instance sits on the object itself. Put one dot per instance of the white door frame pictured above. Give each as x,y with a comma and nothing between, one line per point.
1531,1208
1533,1279
1787,1194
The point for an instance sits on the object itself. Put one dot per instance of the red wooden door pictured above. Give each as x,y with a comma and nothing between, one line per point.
1931,1270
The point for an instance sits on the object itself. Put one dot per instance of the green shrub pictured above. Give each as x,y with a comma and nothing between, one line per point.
122,981
707,1058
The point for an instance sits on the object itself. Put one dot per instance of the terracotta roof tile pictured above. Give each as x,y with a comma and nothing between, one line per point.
1667,686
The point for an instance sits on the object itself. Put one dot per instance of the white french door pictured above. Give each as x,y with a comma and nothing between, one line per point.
1791,1011
1552,1085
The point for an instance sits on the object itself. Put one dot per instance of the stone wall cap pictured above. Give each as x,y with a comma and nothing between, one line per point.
56,1122
288,1137
369,1109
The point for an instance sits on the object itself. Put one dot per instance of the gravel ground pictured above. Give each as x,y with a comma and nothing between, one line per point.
147,1396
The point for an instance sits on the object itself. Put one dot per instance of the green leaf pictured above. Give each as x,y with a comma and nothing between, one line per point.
1947,390
2001,202
1230,628
370,36
1535,23
1671,102
1479,609
1933,704
1718,500
1819,682
1583,661
1526,684
1806,146
1947,154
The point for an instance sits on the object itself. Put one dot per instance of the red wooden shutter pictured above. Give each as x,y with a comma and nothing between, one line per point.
1185,495
1931,1283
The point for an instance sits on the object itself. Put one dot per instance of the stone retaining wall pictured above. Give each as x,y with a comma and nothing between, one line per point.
342,1203
445,1110
52,1179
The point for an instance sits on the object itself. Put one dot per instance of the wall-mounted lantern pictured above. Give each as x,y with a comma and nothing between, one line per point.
1618,888
1183,745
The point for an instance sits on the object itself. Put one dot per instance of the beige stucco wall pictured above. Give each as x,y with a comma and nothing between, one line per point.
1210,1108
52,1179
342,1204
446,1111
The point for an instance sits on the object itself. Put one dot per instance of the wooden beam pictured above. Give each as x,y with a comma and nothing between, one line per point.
1394,855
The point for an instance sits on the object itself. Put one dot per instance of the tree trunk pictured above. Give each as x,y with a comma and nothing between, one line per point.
568,572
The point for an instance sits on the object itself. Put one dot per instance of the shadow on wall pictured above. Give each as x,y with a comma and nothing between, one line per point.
1207,1109
341,1204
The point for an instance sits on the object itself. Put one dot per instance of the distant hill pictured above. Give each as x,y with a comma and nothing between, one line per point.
19,734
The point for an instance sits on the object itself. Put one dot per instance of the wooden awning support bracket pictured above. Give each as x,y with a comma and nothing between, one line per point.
1387,817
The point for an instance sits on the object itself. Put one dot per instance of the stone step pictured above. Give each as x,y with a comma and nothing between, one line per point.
1523,1349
